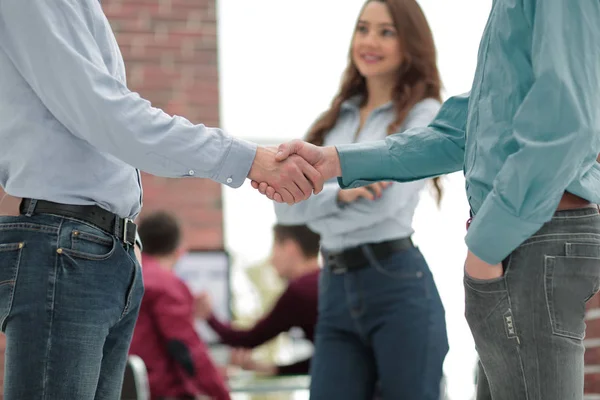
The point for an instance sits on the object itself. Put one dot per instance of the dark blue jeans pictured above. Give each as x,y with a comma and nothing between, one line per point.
383,324
69,298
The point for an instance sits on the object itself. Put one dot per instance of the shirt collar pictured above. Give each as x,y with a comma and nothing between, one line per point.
353,103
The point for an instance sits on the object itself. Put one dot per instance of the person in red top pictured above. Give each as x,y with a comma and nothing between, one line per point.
295,258
178,363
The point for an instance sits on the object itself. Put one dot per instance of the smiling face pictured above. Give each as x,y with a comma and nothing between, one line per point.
376,49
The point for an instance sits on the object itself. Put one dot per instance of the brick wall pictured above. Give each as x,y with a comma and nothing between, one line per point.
170,51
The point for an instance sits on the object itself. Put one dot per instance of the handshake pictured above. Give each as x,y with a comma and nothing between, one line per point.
294,170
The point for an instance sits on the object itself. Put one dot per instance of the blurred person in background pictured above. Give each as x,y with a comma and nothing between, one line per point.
178,362
381,320
295,258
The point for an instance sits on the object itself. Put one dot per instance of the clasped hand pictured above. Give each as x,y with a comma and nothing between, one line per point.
291,173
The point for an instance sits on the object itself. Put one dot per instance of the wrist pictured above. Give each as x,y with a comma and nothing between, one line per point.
331,167
257,167
252,174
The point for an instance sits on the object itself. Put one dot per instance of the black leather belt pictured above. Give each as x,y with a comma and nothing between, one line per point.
355,258
123,228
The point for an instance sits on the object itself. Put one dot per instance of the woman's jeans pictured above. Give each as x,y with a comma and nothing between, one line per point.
381,325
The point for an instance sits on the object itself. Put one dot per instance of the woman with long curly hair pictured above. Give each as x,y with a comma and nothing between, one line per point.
381,321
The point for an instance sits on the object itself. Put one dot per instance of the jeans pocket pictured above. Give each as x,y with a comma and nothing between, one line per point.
135,290
570,282
482,298
90,246
10,259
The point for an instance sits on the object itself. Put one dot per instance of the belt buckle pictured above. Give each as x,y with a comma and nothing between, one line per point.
126,222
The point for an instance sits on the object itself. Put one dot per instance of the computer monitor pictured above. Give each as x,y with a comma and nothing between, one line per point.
208,271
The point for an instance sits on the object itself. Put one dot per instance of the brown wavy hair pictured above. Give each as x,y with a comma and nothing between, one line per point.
418,77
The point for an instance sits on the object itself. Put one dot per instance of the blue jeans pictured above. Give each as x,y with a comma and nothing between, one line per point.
529,324
69,299
380,325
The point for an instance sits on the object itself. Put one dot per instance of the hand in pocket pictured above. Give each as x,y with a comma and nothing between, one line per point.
478,269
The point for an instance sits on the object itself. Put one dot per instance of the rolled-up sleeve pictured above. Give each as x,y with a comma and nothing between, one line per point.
421,152
557,128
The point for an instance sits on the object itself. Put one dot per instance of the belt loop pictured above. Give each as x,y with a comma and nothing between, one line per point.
31,207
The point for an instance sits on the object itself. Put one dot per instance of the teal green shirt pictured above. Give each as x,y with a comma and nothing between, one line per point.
528,131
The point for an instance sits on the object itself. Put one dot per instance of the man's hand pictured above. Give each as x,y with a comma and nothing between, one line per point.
203,306
369,192
476,268
294,179
138,254
243,359
324,159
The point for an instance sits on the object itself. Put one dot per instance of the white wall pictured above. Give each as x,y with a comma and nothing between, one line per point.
280,64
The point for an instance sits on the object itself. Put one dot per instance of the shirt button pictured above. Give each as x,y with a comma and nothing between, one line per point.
191,172
229,180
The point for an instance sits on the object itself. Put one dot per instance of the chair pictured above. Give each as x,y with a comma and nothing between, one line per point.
135,382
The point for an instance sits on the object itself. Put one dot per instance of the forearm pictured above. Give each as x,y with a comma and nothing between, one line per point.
68,73
417,153
237,337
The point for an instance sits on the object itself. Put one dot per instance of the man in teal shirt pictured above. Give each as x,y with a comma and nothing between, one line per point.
527,137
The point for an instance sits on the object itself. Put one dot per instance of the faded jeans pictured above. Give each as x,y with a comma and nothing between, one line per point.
529,324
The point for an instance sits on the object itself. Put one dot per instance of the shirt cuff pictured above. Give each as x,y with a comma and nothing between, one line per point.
237,163
362,163
495,233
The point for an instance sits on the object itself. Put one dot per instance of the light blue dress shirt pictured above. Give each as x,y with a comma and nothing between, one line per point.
528,131
362,221
70,130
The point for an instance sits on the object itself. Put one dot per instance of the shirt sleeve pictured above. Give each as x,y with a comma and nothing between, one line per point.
363,213
421,152
173,315
53,46
279,319
556,128
317,206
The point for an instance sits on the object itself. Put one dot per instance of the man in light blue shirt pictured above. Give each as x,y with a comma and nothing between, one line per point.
527,137
72,141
